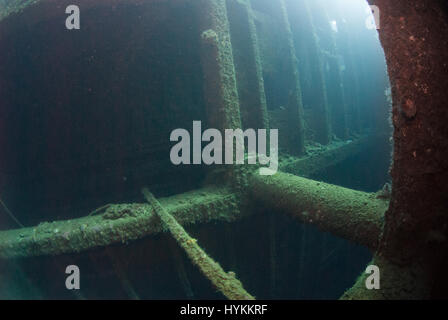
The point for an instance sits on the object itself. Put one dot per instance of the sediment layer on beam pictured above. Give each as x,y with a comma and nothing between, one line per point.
354,215
119,223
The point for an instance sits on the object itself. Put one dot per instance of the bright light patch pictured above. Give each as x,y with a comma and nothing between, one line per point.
334,25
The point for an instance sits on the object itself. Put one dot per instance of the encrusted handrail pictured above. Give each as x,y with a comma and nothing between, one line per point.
225,282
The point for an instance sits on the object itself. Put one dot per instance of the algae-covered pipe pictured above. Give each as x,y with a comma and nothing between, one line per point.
120,223
221,99
225,282
350,214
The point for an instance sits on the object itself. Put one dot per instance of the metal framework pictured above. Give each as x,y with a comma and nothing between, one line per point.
354,215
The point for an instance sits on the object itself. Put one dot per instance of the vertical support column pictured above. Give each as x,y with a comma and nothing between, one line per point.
352,76
249,70
320,109
337,95
296,125
220,89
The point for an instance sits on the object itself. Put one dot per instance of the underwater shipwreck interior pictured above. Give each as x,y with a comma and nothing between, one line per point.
86,177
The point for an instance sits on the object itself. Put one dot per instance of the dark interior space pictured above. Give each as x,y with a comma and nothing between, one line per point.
97,108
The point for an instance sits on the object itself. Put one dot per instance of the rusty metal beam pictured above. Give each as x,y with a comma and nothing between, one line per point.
122,223
353,215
